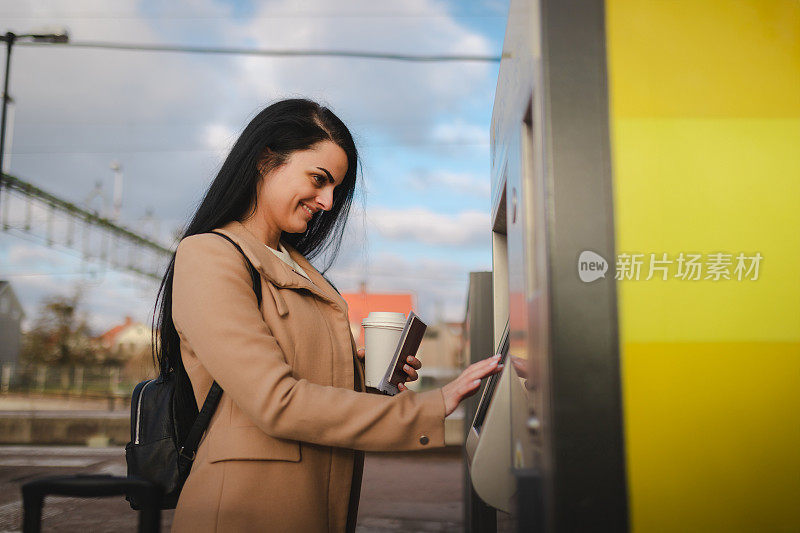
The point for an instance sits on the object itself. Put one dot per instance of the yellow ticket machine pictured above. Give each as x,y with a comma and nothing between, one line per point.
645,184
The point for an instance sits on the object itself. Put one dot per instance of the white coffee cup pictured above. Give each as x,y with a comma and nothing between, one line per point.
382,331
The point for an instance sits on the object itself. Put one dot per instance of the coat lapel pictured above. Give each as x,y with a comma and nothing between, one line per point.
274,270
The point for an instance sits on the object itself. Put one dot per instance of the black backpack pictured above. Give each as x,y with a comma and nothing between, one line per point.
154,452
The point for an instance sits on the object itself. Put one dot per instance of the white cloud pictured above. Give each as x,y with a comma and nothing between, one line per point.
439,286
219,137
467,228
455,182
460,132
403,100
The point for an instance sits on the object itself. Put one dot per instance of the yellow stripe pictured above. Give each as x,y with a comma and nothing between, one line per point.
705,107
704,58
707,186
713,436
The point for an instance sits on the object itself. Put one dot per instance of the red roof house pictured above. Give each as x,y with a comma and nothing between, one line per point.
110,336
360,304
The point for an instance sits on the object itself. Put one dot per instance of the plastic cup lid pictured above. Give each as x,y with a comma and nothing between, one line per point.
384,319
389,325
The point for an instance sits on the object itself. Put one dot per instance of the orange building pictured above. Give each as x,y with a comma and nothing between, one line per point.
362,303
442,345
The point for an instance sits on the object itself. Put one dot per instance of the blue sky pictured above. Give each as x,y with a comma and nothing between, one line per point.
421,221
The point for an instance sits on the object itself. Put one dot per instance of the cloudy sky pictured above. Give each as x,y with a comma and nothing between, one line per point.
420,222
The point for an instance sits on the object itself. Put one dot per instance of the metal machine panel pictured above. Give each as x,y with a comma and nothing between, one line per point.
488,438
551,171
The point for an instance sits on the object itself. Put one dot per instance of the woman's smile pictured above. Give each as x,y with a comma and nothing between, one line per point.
304,183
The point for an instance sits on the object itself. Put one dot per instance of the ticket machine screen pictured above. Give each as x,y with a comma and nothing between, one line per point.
488,392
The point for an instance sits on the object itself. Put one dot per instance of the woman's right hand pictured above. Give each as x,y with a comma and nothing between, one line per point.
468,382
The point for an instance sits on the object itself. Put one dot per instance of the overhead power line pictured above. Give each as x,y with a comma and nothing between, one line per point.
421,58
271,16
165,149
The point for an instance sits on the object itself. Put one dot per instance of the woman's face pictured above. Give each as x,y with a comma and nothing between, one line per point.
290,194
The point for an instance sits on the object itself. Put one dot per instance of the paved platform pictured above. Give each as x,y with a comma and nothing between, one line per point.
425,494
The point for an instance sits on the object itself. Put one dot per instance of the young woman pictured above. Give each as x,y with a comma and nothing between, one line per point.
284,450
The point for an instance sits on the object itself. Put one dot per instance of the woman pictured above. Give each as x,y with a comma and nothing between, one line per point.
284,449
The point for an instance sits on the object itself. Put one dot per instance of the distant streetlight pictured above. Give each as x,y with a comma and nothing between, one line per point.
10,38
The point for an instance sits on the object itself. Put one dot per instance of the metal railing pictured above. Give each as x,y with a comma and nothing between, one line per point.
112,383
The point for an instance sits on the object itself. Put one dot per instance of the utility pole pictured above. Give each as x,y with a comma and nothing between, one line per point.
10,38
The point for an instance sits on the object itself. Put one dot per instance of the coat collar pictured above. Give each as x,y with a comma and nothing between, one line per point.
274,270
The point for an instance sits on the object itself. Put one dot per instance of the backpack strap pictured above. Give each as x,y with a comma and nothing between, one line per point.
187,452
189,449
254,275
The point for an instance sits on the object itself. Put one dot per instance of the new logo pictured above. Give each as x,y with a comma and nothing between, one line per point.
591,266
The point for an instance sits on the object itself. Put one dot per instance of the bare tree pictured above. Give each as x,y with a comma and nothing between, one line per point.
60,334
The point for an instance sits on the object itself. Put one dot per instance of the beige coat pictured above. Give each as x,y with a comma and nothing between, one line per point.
279,454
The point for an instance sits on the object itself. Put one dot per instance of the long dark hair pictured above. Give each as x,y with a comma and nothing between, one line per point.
265,144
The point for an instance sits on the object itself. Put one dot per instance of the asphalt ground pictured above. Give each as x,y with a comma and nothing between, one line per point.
425,492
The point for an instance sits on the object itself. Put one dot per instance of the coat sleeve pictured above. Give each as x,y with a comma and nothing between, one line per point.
215,310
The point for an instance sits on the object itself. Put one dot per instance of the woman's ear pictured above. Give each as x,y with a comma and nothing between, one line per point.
265,161
263,168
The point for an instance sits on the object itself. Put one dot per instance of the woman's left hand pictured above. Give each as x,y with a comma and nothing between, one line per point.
410,368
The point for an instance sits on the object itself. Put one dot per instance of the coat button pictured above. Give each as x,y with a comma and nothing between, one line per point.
424,440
